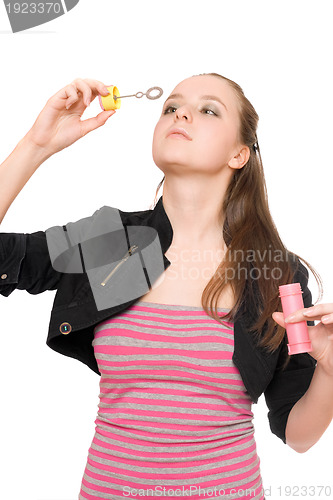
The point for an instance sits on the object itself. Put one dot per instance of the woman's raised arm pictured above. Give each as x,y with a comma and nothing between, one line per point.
57,126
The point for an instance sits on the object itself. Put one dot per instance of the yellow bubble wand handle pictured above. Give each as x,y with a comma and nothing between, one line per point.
109,102
112,101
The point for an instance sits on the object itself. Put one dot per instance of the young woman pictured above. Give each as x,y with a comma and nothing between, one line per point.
183,350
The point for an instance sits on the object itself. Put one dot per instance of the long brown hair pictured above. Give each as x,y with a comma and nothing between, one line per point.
249,231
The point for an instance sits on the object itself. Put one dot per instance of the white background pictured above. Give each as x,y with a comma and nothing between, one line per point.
280,53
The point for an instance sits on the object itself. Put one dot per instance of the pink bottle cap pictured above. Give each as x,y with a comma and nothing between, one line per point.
291,289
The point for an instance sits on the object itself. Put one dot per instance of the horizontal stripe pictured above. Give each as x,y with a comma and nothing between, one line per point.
173,410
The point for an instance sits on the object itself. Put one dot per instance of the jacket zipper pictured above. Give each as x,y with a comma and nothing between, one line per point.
127,254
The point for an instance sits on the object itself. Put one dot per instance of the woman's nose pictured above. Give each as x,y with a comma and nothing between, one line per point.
182,112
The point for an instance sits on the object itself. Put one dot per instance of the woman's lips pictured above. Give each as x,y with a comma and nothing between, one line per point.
177,135
180,133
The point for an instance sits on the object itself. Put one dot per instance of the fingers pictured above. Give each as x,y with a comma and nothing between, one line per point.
319,310
96,86
327,319
296,316
87,88
69,95
90,88
95,122
310,313
278,318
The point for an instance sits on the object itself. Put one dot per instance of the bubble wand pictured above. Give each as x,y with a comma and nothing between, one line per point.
112,101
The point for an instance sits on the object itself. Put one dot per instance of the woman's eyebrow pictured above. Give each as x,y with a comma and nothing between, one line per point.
208,97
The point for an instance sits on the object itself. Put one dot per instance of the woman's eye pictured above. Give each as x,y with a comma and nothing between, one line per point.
166,111
207,109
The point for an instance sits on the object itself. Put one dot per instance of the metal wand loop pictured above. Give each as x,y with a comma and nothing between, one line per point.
141,94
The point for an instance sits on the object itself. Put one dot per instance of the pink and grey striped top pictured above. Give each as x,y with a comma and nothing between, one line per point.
174,417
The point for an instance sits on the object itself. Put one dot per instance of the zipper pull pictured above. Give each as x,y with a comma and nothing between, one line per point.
127,254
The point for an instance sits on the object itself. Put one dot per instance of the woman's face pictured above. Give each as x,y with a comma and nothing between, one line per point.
212,126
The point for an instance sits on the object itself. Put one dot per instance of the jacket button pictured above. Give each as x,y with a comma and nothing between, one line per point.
3,276
65,328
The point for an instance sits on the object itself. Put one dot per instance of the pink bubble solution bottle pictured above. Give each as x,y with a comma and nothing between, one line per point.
297,333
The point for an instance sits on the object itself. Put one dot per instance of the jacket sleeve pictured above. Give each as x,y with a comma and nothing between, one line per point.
289,385
27,260
25,264
35,262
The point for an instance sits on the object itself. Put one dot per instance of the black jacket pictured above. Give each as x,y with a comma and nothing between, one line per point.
34,263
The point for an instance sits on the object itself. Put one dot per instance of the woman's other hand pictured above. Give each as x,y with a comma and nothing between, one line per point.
321,335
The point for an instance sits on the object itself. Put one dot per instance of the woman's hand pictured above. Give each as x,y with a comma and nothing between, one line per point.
321,335
59,123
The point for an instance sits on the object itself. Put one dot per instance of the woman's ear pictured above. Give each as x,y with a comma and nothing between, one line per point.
240,159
